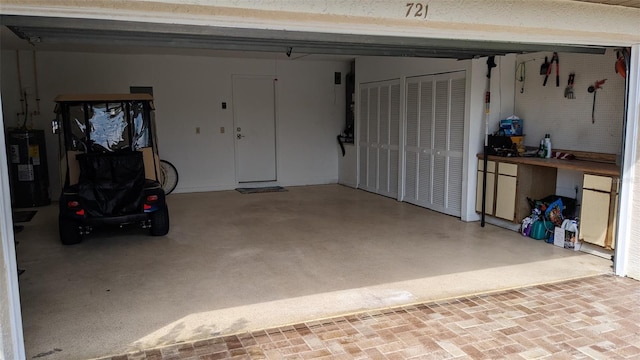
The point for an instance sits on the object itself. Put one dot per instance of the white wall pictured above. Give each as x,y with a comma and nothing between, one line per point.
546,110
188,93
370,69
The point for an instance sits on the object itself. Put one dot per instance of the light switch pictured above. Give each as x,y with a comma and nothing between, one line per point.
221,129
197,130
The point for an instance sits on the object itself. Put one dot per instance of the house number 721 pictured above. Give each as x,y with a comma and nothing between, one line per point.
417,10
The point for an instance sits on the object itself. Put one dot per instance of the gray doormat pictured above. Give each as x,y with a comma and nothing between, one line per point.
23,216
257,190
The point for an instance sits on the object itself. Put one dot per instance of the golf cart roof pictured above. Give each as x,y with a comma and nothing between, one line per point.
101,97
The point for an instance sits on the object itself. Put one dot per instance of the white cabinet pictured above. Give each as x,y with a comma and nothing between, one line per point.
491,185
506,191
510,184
598,210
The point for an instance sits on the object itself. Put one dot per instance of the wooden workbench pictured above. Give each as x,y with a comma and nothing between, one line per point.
589,167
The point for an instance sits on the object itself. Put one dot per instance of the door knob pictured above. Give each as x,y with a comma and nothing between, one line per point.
239,136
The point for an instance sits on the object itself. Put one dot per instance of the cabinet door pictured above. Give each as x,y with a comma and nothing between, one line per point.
506,197
379,121
594,216
434,141
491,182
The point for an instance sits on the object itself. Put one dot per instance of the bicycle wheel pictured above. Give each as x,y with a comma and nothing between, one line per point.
168,176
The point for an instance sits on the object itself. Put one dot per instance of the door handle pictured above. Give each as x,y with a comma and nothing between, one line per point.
239,136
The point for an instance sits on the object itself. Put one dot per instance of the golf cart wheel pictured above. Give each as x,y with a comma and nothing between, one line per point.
159,222
69,231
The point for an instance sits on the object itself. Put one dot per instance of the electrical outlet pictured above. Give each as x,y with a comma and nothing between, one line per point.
221,129
198,130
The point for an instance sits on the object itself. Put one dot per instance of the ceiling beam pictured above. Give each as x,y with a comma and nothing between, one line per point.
48,30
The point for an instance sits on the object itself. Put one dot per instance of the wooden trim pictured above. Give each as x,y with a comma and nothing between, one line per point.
591,156
589,167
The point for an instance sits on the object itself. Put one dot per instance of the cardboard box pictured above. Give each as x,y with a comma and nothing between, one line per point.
512,127
566,239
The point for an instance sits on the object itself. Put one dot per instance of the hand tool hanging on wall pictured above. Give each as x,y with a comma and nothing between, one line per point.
555,59
594,89
521,74
491,63
545,66
621,64
568,91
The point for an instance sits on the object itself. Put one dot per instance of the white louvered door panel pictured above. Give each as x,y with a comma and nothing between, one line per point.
378,144
434,132
363,141
372,164
440,144
456,145
394,137
425,154
411,146
383,151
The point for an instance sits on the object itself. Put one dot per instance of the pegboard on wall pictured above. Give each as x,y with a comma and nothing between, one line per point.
545,110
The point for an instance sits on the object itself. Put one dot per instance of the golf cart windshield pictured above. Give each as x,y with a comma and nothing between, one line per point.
108,127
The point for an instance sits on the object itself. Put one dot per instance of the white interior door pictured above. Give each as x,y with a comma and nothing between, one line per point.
379,137
255,130
434,141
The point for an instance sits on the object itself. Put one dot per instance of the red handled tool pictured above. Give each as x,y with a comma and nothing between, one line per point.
555,59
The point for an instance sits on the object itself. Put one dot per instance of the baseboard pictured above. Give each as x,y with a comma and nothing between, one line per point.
596,250
509,225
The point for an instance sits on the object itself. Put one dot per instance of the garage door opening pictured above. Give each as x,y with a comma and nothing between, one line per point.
307,253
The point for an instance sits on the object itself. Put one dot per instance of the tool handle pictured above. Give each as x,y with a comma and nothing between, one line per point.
557,70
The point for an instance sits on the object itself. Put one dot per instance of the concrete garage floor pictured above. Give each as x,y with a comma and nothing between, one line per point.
234,263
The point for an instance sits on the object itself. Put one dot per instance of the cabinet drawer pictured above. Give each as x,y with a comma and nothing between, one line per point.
508,169
595,182
491,166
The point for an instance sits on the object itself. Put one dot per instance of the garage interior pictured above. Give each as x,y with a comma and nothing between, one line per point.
235,262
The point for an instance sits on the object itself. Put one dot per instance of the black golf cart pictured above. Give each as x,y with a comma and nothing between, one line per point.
109,164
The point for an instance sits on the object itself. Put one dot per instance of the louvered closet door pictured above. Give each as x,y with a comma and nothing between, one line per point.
434,133
363,141
379,137
372,149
